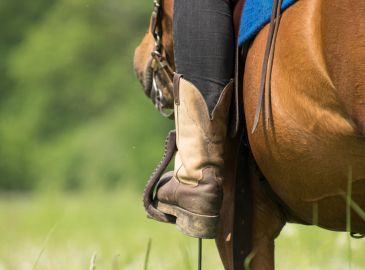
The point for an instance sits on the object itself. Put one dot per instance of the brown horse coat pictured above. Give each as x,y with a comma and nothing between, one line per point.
315,140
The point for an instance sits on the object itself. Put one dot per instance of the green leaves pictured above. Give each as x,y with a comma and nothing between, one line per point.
72,115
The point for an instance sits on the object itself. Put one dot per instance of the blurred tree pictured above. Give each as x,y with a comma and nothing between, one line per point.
16,17
74,116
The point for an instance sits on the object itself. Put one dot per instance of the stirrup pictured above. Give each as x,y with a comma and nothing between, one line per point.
148,194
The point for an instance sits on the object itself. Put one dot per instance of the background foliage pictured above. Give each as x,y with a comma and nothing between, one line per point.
72,115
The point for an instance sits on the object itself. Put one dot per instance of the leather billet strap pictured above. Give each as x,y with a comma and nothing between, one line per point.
237,106
148,194
267,65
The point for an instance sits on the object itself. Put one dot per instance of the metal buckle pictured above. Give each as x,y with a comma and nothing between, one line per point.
159,98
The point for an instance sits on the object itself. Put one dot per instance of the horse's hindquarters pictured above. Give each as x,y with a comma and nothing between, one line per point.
311,146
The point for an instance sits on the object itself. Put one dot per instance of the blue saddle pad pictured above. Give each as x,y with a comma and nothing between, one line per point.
255,15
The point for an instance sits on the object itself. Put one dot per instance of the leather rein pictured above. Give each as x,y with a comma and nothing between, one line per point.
266,72
159,65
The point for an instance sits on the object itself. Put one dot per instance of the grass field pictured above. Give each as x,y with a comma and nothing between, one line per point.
64,231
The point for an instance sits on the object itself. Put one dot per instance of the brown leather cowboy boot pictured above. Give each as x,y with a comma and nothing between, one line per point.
193,193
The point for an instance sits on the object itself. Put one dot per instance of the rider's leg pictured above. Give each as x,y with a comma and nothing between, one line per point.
204,44
204,50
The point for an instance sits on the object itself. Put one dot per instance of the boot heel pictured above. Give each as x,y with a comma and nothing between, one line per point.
191,224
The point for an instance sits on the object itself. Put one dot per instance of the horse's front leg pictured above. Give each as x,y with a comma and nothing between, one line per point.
267,223
224,240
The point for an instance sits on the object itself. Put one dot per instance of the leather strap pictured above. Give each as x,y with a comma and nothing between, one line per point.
267,65
243,207
159,64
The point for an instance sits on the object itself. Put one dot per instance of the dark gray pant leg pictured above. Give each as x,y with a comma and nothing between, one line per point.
204,45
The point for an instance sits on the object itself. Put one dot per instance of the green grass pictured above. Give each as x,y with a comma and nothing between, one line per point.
64,231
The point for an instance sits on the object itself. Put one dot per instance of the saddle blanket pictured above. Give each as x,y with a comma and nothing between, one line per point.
255,15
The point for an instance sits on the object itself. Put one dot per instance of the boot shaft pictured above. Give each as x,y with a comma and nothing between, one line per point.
200,135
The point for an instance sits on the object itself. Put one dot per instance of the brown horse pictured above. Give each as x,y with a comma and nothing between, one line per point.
312,152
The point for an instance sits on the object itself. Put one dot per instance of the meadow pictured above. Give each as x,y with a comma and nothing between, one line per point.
110,231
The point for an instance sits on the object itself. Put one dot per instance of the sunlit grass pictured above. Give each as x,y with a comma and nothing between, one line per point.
64,231
111,225
309,247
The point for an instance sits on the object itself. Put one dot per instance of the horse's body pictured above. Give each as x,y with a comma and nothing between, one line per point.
316,137
313,148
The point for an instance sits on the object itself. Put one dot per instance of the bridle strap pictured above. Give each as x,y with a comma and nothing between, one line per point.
267,64
159,65
156,23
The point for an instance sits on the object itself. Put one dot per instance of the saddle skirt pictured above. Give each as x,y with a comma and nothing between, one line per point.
255,15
